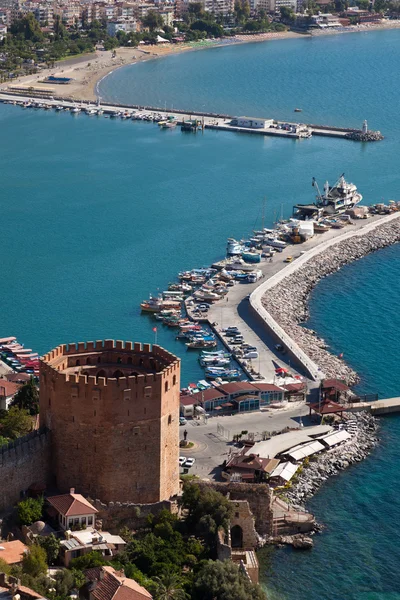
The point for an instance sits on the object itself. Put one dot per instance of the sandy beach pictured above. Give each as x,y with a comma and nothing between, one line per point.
86,71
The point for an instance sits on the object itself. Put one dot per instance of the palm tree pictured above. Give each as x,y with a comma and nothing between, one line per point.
169,587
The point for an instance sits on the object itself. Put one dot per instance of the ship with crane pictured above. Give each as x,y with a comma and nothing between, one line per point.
334,200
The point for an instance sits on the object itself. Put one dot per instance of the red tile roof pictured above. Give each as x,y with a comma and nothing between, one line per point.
211,394
113,585
12,552
8,388
327,407
236,386
339,385
267,387
295,387
189,399
71,505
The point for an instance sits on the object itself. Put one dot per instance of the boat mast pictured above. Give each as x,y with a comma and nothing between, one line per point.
315,184
263,213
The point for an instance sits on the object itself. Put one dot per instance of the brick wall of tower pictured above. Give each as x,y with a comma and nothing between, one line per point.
113,439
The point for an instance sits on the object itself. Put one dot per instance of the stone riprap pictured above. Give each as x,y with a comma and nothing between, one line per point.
286,302
317,471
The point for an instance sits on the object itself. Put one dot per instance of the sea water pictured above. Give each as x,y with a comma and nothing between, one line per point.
97,214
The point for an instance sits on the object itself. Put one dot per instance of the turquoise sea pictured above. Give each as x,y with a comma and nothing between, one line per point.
96,214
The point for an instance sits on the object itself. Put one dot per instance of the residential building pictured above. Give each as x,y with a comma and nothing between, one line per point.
288,3
79,543
219,7
109,584
250,467
73,510
8,389
127,25
11,589
323,20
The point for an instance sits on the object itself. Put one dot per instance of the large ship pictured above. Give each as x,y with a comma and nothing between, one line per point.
335,200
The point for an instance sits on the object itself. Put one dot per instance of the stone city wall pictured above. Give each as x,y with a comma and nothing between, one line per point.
23,463
115,515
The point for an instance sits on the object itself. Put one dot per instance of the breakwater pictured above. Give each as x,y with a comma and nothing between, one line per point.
272,127
287,301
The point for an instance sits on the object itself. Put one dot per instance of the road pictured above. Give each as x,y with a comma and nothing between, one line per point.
213,444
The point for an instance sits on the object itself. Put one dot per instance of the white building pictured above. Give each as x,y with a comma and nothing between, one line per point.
73,510
127,26
288,3
325,21
252,123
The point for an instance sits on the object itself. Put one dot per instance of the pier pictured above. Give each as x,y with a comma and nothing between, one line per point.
221,122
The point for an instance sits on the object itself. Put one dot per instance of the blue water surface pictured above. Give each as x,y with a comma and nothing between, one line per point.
97,213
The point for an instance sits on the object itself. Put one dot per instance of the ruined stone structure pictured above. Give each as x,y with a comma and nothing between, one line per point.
22,463
113,411
253,502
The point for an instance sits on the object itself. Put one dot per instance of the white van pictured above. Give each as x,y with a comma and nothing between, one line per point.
251,355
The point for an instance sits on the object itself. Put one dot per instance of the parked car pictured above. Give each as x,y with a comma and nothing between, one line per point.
182,421
182,461
189,462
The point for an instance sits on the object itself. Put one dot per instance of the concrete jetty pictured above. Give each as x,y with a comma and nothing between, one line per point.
273,127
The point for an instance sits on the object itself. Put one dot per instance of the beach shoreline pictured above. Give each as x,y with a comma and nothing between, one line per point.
86,76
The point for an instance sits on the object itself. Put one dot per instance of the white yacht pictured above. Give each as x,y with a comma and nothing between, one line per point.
233,248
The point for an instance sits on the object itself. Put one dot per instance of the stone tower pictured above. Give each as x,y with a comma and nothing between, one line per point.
113,409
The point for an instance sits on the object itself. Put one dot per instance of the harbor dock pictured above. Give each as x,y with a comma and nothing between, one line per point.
203,120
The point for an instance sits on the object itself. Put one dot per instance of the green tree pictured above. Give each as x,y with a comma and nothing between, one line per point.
219,580
16,423
242,11
64,582
27,397
287,14
30,510
4,567
168,587
34,562
88,561
206,507
152,20
28,27
51,544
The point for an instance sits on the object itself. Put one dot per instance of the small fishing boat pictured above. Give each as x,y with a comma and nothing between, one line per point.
200,344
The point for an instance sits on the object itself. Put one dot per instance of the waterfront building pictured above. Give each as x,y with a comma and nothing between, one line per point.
324,20
219,7
113,411
126,25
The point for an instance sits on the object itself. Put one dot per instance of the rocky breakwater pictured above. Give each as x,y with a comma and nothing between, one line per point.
367,136
316,471
287,302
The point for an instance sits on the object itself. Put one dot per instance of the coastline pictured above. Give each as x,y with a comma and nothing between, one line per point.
287,301
87,75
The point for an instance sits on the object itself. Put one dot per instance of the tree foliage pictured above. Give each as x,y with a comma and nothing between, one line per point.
34,562
51,544
219,580
30,510
152,20
27,397
15,423
88,561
